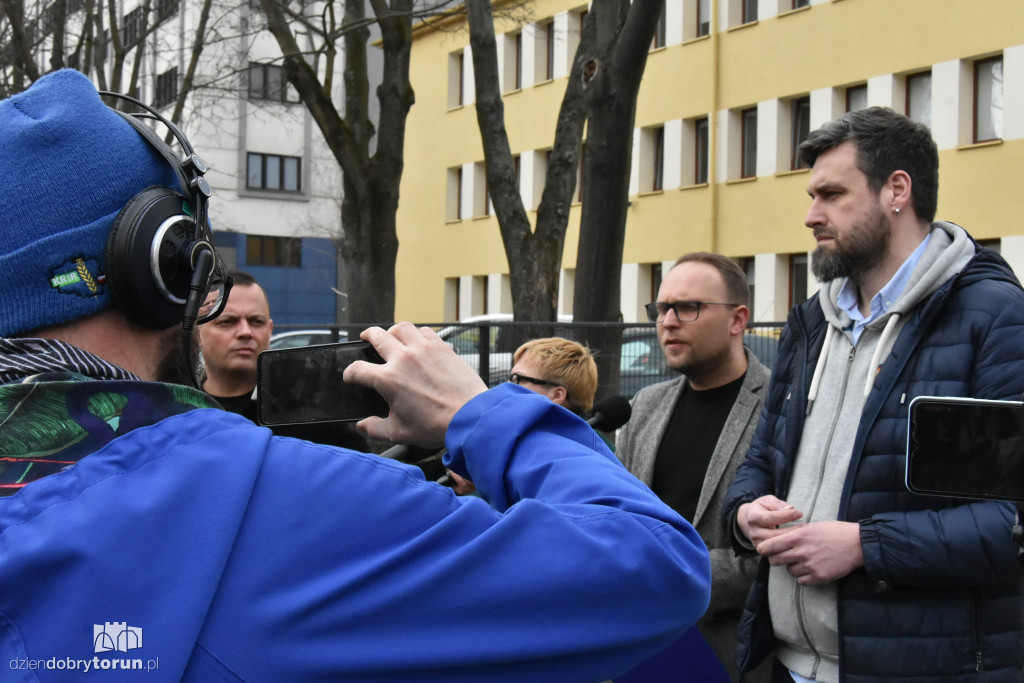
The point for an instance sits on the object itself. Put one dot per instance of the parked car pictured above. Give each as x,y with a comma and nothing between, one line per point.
294,338
642,363
464,337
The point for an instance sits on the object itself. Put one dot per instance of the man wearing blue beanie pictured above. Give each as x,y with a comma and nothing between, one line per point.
142,528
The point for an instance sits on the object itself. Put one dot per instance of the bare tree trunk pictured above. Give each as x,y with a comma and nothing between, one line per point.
369,243
25,68
613,76
534,255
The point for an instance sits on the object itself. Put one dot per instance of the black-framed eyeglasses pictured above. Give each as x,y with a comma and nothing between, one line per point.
686,311
519,378
216,298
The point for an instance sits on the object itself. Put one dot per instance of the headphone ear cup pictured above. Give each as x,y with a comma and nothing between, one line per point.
147,258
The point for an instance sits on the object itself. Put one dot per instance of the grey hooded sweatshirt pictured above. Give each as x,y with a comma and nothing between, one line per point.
804,617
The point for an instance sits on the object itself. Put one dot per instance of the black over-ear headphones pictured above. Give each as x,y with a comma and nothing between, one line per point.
159,256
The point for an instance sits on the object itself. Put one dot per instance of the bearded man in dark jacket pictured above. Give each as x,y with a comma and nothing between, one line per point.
860,579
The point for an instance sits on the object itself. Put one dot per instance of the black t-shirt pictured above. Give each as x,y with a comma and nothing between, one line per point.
688,444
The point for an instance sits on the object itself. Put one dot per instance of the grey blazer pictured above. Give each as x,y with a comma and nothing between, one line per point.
636,445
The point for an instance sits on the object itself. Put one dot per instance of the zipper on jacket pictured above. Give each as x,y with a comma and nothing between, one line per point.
799,592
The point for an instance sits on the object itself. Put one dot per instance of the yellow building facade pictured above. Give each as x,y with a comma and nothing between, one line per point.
730,88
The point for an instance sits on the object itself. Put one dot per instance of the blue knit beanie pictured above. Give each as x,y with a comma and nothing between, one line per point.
68,163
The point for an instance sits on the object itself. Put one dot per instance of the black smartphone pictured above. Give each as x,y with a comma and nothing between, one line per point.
304,384
966,448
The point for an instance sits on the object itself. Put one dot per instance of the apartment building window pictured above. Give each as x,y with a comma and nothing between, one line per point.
273,172
548,33
269,82
801,128
264,250
919,97
797,4
747,265
701,151
659,31
988,99
658,171
166,9
456,79
749,11
703,18
166,91
856,97
656,275
453,200
748,143
131,30
519,60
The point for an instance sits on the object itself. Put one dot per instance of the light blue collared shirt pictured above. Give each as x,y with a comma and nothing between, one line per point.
886,297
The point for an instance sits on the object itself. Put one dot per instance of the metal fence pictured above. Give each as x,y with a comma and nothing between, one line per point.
630,350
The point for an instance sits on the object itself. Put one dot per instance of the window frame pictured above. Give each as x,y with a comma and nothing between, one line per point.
165,9
996,132
703,28
862,88
549,50
745,115
701,142
518,42
272,250
165,88
658,158
265,160
799,129
745,11
908,82
132,27
288,95
660,30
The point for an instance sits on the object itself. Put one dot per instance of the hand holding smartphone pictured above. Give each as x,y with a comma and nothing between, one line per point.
305,384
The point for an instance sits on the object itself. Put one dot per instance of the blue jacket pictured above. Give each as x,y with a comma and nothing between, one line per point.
939,592
236,555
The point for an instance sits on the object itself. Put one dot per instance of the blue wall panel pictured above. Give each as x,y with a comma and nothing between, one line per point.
298,296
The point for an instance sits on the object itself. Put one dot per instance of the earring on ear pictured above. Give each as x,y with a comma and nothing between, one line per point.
897,211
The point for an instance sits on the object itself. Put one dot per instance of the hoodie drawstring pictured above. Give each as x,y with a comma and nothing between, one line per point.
819,368
890,325
869,381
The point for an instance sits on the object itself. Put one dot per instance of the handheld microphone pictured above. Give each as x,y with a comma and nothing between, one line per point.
610,413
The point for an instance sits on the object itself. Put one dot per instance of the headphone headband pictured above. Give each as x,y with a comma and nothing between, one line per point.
160,256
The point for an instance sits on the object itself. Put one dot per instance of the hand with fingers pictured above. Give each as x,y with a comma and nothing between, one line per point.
760,519
819,552
423,380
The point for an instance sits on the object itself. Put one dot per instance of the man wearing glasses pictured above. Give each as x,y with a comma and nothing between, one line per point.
687,436
561,369
129,501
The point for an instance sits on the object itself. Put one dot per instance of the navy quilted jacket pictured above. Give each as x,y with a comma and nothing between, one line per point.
939,596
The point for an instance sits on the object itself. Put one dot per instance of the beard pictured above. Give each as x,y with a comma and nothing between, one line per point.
865,246
699,363
176,366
